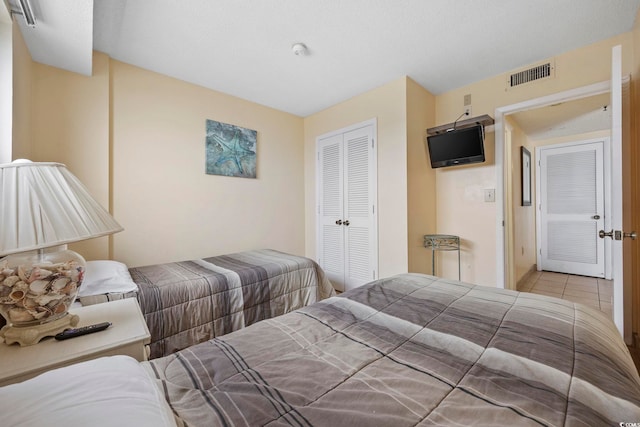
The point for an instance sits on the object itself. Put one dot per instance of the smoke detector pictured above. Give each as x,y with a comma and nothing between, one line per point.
299,49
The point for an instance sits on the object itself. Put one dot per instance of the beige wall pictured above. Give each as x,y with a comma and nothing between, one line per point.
63,117
388,105
421,179
571,138
136,140
70,125
460,209
22,78
145,139
6,85
170,208
524,217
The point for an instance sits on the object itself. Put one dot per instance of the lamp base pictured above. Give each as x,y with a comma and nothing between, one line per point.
30,335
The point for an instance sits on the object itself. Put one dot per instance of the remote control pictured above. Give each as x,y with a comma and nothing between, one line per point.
76,332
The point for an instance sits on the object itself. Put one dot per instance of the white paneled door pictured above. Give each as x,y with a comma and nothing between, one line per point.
347,225
614,229
572,208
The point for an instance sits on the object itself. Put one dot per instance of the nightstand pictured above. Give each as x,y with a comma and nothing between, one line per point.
128,335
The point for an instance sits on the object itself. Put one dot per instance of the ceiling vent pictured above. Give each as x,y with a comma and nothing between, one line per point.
532,74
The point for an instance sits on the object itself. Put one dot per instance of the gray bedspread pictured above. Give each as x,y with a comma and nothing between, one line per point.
185,303
411,350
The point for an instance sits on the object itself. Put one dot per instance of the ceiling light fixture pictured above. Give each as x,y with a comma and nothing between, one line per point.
299,49
27,12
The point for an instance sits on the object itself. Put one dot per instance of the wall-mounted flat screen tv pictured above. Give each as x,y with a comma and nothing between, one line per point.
457,147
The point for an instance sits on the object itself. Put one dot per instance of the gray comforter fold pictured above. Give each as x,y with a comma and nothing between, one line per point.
410,350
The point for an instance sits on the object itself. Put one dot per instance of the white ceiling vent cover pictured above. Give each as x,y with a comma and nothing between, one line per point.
542,71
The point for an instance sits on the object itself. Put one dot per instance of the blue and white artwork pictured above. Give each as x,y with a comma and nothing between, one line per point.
231,150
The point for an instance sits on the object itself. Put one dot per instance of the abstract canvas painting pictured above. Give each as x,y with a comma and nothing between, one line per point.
231,150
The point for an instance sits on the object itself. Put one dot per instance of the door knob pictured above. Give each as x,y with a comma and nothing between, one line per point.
618,234
339,222
347,223
595,217
602,234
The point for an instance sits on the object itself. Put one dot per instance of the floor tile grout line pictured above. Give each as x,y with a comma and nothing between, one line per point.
595,301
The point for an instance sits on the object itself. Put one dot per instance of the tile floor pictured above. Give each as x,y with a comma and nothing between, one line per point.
590,291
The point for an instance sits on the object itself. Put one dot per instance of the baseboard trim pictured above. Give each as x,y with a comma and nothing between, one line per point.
526,276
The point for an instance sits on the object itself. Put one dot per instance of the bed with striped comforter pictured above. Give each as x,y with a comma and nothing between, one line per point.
411,350
185,303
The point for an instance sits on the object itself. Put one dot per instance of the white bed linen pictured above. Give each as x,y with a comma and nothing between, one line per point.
106,276
106,392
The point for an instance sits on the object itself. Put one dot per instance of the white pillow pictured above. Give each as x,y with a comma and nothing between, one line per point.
102,277
106,392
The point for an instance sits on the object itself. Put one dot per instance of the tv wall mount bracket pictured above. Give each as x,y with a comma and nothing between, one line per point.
484,120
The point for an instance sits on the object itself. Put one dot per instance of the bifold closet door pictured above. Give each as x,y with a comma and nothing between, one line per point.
357,209
348,240
331,210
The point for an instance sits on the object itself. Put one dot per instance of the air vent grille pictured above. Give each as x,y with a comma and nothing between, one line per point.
538,72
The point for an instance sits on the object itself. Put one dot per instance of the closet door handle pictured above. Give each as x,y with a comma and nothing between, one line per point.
346,223
339,222
595,217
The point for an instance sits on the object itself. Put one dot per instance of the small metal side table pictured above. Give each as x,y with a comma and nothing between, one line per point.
441,242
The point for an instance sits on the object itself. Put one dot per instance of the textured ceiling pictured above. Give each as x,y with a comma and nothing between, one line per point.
243,47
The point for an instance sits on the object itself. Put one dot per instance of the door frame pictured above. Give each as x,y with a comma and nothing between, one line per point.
622,301
606,194
499,128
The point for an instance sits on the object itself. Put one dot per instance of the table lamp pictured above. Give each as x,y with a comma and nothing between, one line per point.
43,206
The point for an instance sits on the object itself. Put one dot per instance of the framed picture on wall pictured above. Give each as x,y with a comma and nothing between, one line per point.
230,150
526,176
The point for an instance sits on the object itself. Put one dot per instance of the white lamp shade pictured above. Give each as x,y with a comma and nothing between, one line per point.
44,205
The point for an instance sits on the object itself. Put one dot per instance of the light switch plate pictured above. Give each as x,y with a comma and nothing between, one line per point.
490,195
